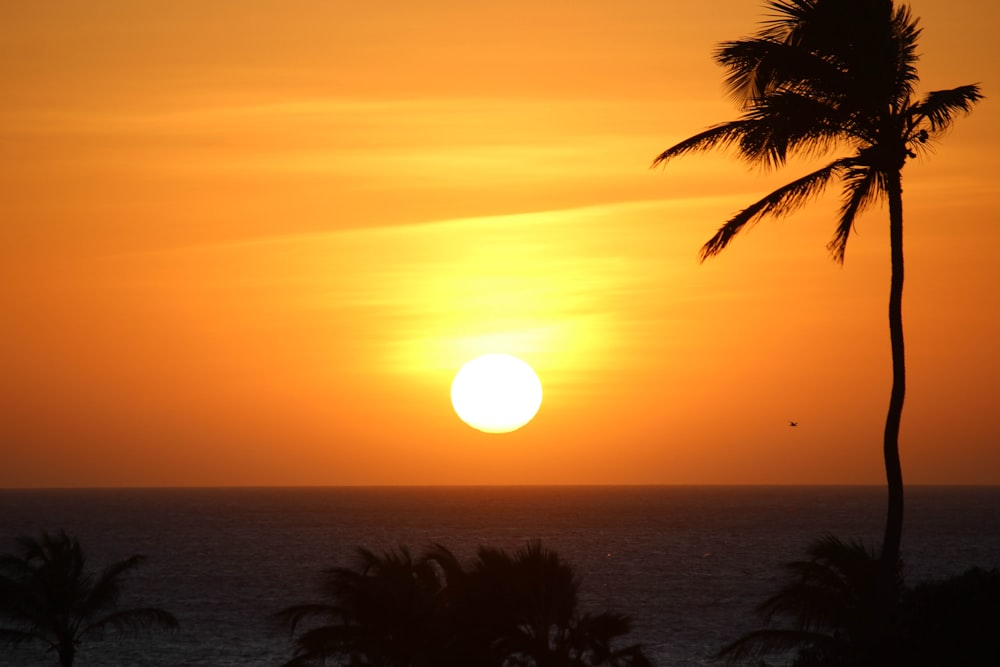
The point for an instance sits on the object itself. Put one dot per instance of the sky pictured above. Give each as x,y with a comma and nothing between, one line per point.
251,243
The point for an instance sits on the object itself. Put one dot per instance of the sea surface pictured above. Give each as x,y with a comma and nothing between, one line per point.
689,564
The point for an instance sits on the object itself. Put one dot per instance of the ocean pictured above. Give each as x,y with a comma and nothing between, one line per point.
689,564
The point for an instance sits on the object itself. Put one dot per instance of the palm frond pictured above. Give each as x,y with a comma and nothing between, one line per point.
832,594
753,66
788,123
784,23
906,33
446,567
782,201
767,133
759,67
747,79
940,107
105,591
862,185
601,629
723,134
769,641
827,605
630,656
593,636
291,617
328,641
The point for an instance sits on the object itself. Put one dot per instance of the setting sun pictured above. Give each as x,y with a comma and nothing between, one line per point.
249,251
496,393
261,240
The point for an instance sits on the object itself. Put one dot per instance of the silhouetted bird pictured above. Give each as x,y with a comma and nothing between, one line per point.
791,423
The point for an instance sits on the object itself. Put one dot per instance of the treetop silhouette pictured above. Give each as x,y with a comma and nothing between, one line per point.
824,75
48,596
504,609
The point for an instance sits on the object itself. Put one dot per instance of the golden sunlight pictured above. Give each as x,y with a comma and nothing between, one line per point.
496,393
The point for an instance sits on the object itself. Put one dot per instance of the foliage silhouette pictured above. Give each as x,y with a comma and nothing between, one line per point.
388,610
821,75
397,610
47,596
955,621
827,611
531,604
827,614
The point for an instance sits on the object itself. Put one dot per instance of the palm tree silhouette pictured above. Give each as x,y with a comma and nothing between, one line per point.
827,611
47,596
528,604
397,610
826,74
831,606
388,610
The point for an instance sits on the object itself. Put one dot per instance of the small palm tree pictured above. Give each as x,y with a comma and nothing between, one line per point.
829,608
527,605
822,75
387,611
47,596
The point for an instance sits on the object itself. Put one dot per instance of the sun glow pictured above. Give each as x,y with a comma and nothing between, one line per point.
496,393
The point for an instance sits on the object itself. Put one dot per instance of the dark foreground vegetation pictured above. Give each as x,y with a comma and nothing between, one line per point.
828,614
521,609
819,76
49,597
503,610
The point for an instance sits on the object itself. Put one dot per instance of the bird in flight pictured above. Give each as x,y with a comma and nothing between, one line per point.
791,423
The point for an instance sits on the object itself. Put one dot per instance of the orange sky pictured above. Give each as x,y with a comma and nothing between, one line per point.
250,243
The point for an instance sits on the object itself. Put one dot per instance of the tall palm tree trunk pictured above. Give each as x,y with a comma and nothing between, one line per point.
890,447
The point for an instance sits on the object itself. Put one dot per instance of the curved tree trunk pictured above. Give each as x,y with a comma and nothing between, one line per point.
890,443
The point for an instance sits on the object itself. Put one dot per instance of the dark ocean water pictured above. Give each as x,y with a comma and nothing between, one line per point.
688,563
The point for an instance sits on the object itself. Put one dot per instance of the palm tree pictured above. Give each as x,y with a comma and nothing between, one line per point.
387,611
831,605
47,596
821,75
526,605
397,610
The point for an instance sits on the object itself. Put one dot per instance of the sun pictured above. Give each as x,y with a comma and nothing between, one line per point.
496,393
